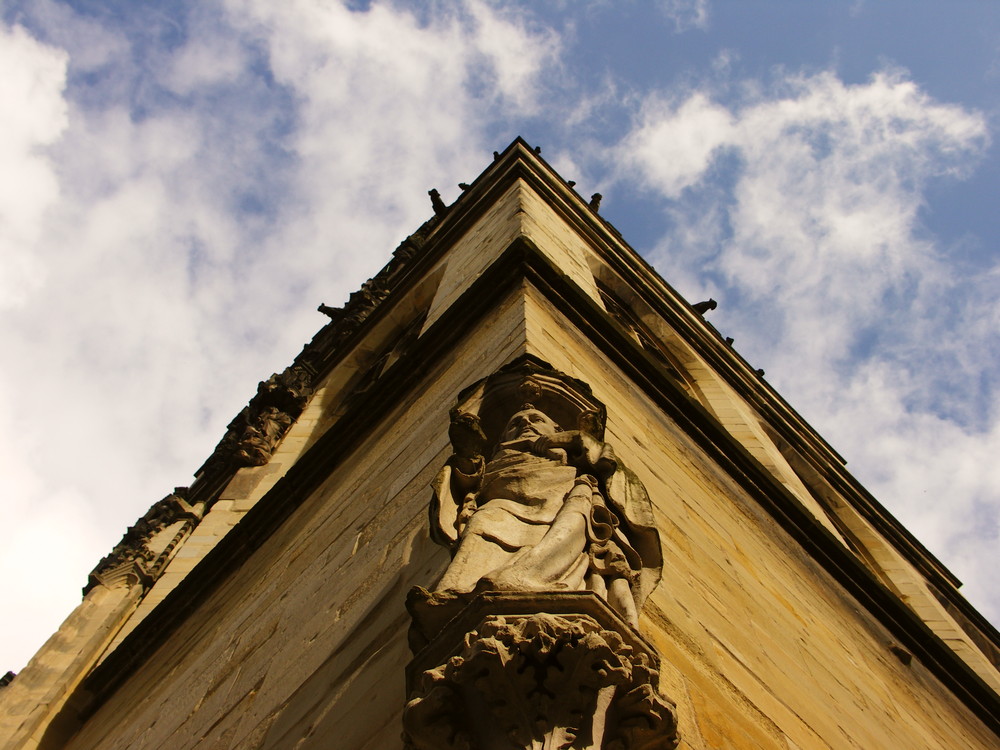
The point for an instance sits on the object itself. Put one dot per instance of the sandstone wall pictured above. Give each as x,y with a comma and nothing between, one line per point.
305,645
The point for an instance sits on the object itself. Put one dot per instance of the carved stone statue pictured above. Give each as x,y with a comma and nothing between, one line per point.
261,434
550,510
530,638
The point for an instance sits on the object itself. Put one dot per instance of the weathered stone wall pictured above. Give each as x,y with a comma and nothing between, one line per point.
760,647
306,643
308,638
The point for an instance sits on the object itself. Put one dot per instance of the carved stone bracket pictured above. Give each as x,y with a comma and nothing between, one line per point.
528,673
258,429
140,557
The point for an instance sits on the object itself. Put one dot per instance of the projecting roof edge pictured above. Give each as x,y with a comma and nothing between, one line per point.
520,161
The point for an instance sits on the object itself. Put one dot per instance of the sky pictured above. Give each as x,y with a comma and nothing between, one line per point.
182,183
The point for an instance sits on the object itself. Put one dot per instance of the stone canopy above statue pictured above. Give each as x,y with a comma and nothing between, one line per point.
533,499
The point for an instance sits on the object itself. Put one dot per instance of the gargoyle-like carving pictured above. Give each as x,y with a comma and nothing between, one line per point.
344,321
550,509
333,313
541,682
288,391
261,434
362,302
703,307
135,559
436,203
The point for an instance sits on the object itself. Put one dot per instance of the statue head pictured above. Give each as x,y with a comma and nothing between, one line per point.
528,422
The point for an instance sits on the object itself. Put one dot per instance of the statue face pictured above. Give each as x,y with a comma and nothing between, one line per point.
529,423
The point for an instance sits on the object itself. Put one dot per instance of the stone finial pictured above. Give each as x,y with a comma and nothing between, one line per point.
140,556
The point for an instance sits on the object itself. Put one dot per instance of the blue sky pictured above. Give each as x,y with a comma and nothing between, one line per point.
181,184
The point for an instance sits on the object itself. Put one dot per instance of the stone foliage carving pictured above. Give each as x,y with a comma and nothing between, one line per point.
135,559
253,435
550,509
542,682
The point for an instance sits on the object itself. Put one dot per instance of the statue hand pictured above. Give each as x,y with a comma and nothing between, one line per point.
563,440
469,507
549,448
566,440
468,466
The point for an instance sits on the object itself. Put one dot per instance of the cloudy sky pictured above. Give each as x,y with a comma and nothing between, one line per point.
182,183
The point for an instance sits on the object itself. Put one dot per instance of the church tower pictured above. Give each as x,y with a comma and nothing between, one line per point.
517,493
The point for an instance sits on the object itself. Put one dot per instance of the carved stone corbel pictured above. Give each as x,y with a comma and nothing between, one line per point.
521,679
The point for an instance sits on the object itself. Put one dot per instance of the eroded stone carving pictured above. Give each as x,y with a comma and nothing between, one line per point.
252,436
530,640
543,682
141,555
257,430
551,509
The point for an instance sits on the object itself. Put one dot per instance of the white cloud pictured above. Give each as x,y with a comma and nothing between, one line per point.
32,116
676,143
799,209
388,107
686,14
190,204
